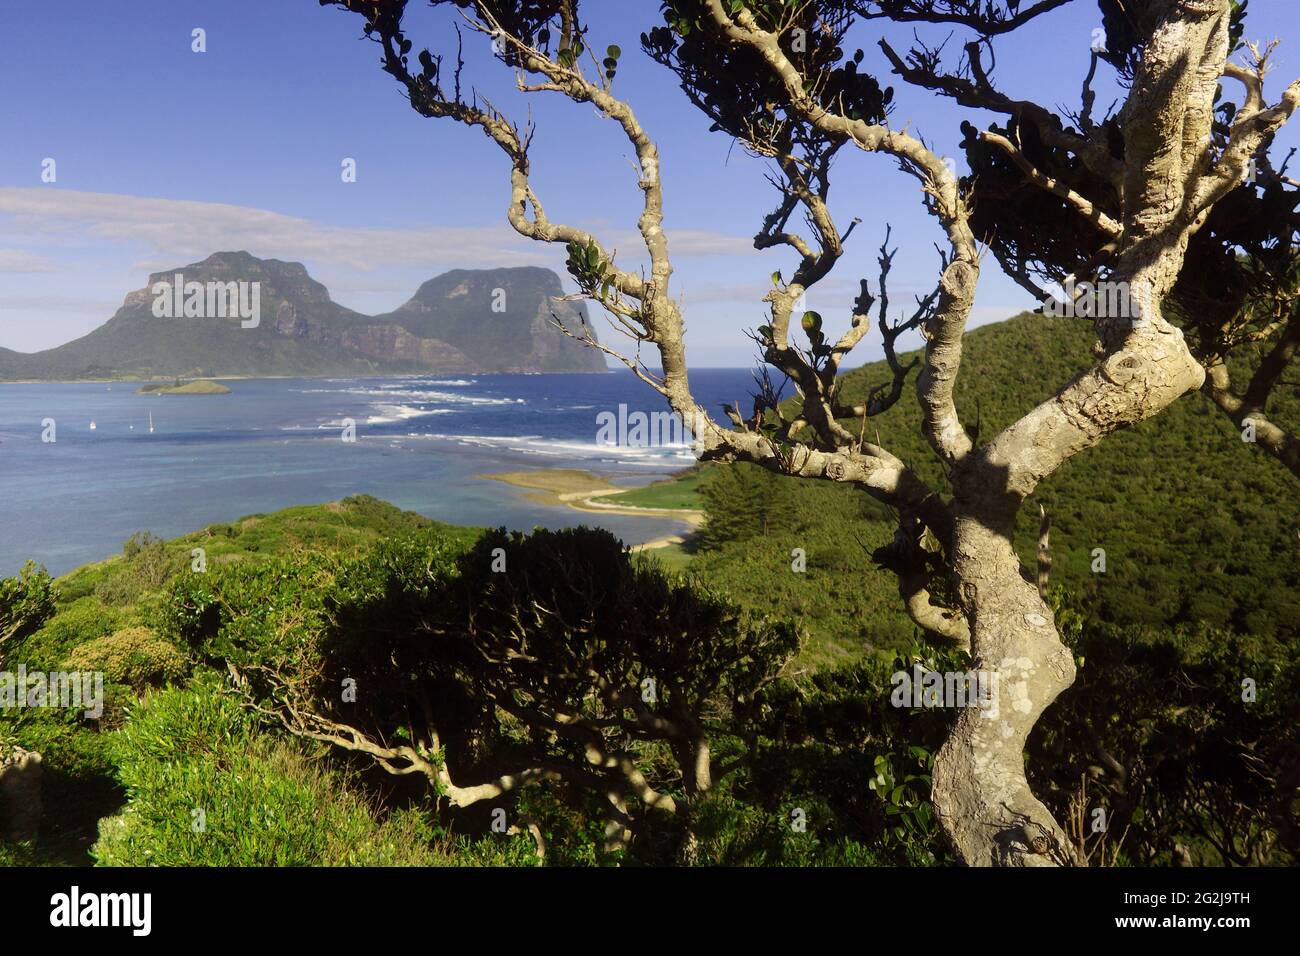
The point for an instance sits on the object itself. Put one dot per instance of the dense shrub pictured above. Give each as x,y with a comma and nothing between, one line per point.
26,602
855,765
83,620
734,832
135,656
759,525
494,647
1188,741
207,788
18,854
436,631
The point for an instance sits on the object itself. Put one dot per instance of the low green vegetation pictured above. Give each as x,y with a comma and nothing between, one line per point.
146,562
206,786
812,764
673,557
197,387
134,656
679,493
106,617
771,641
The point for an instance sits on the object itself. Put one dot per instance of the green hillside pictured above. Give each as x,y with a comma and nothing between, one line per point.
1197,526
104,617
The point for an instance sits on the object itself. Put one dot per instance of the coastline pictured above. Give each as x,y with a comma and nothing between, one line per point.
275,441
577,489
314,377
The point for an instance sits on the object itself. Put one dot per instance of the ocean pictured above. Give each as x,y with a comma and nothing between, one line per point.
275,443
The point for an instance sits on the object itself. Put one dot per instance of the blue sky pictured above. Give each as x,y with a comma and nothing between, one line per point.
165,155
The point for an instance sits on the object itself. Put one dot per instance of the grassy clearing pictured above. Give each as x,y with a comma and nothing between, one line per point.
674,557
678,492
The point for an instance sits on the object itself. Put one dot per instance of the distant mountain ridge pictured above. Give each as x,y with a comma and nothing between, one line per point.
465,321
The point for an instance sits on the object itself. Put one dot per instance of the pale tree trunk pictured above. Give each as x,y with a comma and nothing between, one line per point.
980,793
693,756
618,835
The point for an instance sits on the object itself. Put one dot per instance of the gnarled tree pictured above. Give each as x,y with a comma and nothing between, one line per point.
555,657
776,77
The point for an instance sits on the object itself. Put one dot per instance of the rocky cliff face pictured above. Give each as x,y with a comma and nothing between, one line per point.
467,321
392,343
504,320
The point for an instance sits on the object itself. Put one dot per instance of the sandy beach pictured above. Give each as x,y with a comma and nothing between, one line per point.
580,490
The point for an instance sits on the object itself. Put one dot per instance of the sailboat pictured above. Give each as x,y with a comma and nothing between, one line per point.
92,424
151,423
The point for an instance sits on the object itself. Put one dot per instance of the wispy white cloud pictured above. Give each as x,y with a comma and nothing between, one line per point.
56,303
174,229
109,242
20,260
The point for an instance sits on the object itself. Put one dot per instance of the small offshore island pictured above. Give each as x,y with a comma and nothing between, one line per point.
199,387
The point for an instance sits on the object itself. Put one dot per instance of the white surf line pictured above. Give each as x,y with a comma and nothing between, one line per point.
584,499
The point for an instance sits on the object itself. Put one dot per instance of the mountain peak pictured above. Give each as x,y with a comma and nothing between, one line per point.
465,321
504,320
285,280
462,282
